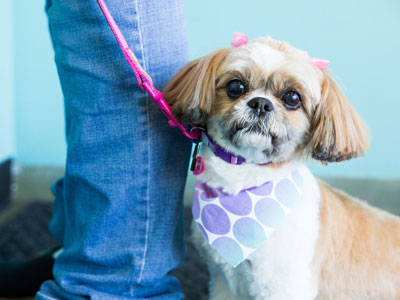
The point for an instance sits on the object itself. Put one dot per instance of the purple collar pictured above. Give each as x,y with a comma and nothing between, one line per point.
222,153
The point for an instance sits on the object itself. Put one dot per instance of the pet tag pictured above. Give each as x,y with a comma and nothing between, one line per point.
199,166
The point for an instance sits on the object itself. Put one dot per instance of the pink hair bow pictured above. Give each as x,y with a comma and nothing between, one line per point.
239,39
321,64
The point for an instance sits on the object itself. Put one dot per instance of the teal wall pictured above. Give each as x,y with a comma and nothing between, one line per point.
38,100
360,38
7,141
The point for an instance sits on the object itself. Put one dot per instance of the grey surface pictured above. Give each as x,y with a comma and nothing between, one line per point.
384,194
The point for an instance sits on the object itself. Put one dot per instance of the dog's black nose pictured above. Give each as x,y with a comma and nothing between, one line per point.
261,105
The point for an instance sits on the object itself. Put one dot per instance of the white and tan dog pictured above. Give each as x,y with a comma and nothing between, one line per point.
266,102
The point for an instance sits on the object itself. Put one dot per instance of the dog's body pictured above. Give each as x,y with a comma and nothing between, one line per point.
267,103
281,267
331,246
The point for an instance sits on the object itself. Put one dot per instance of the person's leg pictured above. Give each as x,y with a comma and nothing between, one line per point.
118,210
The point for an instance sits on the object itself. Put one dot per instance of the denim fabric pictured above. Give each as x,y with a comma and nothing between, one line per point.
118,209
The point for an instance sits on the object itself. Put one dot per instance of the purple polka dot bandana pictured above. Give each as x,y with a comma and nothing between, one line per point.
236,225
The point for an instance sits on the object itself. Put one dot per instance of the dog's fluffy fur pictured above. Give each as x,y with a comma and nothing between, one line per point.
331,246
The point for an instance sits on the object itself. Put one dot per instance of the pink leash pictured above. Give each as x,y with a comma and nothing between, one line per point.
143,79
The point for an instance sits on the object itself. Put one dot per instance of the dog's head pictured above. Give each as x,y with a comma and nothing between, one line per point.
266,102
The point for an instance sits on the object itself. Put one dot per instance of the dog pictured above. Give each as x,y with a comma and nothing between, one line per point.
267,103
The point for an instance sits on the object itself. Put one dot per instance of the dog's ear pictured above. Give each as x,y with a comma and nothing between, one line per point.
192,90
337,131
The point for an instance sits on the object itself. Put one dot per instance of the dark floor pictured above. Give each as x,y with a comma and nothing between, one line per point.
26,234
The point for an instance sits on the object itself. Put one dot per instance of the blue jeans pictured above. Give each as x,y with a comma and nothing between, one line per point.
118,209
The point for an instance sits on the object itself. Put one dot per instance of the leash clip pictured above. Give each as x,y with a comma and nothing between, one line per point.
197,165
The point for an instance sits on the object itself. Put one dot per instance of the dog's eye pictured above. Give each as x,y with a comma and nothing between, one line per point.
291,100
235,88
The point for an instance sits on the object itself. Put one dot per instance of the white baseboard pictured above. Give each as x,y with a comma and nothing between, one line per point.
33,182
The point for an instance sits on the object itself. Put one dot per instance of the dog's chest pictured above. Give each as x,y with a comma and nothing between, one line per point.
281,268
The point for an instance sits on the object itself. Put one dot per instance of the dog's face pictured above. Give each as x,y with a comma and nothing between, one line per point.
266,102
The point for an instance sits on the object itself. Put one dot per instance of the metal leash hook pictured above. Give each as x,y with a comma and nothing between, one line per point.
197,165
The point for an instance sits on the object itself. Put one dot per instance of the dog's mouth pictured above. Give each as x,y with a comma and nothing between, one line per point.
255,134
258,128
